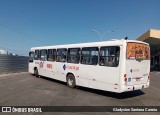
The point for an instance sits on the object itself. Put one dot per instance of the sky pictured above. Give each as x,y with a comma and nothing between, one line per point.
29,23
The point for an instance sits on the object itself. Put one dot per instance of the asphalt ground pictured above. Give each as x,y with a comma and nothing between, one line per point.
23,89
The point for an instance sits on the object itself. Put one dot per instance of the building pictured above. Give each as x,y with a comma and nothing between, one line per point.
152,37
3,52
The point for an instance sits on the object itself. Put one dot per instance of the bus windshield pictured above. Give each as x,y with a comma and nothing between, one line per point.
138,51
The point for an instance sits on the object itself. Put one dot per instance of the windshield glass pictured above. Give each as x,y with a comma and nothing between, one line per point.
138,51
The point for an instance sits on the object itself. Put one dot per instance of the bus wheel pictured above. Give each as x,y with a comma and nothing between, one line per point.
36,72
71,81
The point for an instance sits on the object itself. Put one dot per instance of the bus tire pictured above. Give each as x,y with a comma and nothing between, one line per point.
36,73
71,82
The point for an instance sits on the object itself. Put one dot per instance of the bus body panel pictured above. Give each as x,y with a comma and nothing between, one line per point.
137,71
98,77
31,67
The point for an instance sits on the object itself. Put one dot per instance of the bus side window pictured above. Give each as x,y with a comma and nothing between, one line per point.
51,55
31,56
61,55
109,56
43,55
73,55
37,55
89,55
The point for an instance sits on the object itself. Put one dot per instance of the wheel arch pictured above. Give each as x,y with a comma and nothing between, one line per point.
35,68
69,74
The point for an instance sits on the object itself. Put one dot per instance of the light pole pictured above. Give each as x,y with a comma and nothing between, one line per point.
101,35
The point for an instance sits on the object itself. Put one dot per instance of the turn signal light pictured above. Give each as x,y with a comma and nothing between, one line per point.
125,77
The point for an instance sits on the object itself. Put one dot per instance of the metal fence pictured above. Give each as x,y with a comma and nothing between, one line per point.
13,63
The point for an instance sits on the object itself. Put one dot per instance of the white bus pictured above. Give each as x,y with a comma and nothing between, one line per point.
116,65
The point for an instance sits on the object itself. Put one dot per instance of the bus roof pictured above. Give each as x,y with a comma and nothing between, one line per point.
91,44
